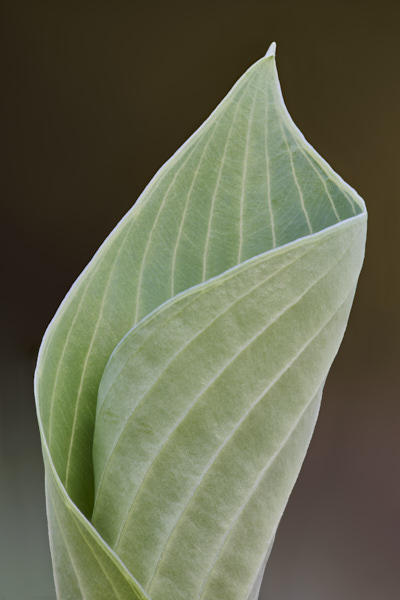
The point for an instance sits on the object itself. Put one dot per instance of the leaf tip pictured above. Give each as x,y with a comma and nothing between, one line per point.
271,50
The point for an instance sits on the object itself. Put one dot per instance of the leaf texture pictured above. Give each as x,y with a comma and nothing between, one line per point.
178,385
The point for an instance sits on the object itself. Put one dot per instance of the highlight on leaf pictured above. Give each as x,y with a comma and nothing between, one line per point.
178,384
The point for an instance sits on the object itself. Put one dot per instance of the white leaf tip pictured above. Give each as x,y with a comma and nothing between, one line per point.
271,50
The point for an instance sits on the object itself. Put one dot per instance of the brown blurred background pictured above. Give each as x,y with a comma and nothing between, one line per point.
95,97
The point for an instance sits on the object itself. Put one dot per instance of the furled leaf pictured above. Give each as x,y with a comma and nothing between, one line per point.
178,384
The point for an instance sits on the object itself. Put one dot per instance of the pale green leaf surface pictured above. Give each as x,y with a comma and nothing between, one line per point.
188,383
207,399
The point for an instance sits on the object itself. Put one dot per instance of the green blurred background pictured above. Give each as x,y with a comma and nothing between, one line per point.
95,97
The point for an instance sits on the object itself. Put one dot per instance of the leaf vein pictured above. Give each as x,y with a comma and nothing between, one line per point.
245,165
207,242
196,173
295,178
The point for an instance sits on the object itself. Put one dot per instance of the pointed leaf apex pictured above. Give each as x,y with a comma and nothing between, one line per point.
271,50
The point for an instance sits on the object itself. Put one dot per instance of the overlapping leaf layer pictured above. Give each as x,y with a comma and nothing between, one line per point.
179,382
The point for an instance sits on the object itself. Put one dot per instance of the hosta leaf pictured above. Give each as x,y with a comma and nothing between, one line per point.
206,410
231,280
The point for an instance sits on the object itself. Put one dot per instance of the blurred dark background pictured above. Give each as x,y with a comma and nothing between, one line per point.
95,97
